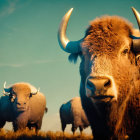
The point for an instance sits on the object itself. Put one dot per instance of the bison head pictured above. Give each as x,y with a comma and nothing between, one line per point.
19,95
109,68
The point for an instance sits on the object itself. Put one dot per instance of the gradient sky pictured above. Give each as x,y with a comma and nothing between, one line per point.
29,50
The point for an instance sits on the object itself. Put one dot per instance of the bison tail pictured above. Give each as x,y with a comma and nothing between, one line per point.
46,109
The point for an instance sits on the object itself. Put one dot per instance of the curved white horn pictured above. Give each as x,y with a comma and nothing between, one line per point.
137,15
67,45
34,93
136,40
4,85
6,90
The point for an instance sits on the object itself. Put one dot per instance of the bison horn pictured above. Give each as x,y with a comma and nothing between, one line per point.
6,90
136,40
137,15
34,93
67,45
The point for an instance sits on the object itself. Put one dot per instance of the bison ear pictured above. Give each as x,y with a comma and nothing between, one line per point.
35,92
73,57
138,60
46,109
30,95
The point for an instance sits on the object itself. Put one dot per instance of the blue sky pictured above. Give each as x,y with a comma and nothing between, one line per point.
29,50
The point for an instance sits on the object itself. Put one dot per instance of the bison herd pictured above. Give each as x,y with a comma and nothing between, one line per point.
110,83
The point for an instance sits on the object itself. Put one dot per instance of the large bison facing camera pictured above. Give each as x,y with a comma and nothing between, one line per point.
110,75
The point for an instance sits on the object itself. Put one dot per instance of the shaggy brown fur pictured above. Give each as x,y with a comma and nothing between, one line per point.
104,34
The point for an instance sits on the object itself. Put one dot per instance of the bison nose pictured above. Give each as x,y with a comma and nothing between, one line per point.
21,103
97,85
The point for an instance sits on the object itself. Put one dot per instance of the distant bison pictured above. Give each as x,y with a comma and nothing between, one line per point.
73,113
110,75
23,105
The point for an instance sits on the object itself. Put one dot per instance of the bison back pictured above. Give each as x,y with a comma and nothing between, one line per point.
66,113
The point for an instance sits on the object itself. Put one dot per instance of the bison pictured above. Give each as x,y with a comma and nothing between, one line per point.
110,74
73,113
23,105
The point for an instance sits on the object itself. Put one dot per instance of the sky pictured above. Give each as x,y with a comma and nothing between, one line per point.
29,50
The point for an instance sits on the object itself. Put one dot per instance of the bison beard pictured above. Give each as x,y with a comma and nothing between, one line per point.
110,75
102,128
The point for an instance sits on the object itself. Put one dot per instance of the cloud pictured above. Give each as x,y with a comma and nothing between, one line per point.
37,62
47,61
11,65
9,8
43,61
12,5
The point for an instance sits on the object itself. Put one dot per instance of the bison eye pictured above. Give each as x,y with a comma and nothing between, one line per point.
125,51
13,97
30,95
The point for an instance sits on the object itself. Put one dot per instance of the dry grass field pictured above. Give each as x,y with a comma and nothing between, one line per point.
31,135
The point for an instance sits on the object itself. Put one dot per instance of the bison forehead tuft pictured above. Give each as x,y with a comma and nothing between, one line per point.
21,87
106,33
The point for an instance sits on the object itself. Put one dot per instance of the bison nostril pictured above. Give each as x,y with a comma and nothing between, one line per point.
90,86
107,83
21,103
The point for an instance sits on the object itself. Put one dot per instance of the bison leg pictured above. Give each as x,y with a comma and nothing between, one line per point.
38,125
63,126
19,125
16,126
21,121
73,129
32,126
81,129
